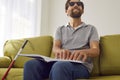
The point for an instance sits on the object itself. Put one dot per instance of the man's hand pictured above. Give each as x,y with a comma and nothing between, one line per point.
78,55
62,54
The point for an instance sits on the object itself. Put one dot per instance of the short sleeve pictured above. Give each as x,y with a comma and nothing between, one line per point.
94,34
58,34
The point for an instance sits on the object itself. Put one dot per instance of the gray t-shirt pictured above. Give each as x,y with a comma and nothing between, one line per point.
76,39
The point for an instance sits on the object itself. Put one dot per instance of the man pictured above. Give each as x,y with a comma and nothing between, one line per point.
74,41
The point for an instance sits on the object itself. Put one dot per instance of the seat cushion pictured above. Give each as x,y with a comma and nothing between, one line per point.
110,55
14,73
111,77
4,62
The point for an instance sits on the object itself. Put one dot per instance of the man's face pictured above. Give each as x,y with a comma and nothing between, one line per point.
75,9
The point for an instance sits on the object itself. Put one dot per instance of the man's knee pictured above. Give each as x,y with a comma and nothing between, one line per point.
60,66
60,70
32,64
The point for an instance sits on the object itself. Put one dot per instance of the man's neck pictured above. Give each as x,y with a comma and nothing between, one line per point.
75,22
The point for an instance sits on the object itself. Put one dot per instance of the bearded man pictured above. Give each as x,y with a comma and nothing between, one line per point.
74,41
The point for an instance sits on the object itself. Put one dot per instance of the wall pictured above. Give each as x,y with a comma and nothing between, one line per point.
44,17
103,14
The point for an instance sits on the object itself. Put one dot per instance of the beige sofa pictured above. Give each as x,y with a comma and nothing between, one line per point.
106,66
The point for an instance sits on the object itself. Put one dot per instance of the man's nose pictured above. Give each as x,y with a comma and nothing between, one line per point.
75,4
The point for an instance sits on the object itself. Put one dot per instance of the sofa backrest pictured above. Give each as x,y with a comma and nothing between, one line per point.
110,55
36,45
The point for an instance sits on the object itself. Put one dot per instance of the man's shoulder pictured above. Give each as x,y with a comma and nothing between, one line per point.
89,25
84,25
61,27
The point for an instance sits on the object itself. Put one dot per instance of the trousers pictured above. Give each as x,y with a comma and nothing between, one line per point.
61,70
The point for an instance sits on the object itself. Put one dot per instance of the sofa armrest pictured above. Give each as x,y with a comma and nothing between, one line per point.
4,62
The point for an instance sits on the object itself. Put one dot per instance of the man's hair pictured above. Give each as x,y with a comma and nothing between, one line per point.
67,4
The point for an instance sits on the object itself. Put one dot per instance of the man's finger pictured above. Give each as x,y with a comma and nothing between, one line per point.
84,58
71,56
75,56
79,57
68,55
63,54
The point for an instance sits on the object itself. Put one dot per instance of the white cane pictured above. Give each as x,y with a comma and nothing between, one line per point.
11,64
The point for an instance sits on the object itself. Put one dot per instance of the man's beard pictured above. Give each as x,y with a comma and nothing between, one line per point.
75,15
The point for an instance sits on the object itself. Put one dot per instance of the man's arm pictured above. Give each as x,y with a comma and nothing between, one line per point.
93,51
56,46
59,52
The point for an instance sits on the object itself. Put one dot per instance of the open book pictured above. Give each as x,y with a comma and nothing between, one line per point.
47,59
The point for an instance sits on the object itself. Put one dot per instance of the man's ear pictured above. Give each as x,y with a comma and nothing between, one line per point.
66,12
82,11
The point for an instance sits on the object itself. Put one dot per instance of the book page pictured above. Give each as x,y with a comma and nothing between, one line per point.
47,59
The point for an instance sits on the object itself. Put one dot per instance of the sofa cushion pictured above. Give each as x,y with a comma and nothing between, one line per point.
111,77
37,45
14,73
110,55
4,62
